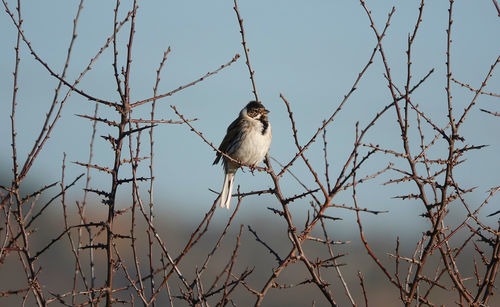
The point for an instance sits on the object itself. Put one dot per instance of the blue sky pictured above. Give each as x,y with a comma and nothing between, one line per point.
309,52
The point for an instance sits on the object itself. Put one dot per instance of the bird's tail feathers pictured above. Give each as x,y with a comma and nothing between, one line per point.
227,190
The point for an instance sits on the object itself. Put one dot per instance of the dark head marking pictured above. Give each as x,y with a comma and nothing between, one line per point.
254,108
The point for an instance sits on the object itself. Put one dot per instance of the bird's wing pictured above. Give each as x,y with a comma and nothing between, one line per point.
233,137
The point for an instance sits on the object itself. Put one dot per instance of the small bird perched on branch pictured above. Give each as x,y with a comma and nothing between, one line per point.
247,139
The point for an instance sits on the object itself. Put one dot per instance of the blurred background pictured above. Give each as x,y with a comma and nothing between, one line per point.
309,52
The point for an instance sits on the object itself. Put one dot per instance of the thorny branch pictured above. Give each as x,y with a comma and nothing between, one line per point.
127,255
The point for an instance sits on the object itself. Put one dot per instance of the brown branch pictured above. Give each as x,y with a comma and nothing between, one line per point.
497,7
47,67
483,84
491,112
272,251
473,89
245,48
180,88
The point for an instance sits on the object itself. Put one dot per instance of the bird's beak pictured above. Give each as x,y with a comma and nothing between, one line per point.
265,111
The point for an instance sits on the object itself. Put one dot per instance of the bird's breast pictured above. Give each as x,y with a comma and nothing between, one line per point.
254,144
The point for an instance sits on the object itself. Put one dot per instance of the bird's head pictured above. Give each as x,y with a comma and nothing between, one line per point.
255,110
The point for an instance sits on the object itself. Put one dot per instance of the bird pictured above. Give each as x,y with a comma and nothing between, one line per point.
247,139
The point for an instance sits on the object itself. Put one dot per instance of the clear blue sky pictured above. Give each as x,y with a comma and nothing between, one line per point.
309,51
